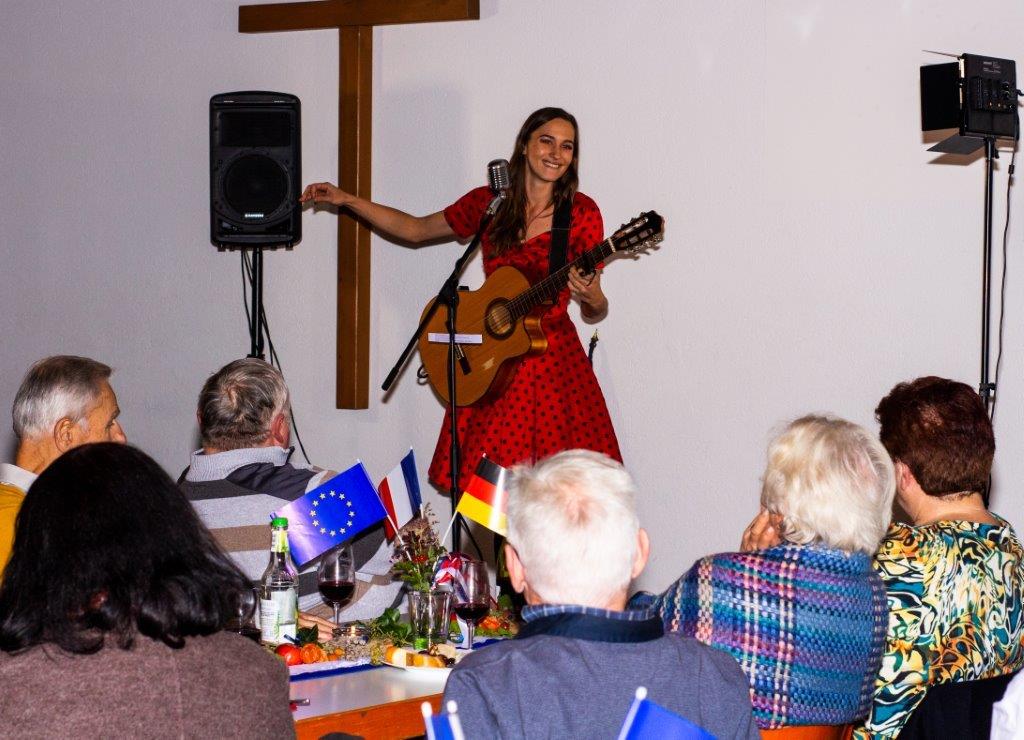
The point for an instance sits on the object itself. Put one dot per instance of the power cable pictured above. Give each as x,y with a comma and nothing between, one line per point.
1002,285
275,361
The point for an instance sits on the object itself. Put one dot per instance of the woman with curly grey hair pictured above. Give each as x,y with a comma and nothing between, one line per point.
800,607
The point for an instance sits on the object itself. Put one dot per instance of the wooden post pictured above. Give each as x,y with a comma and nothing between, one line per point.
354,136
355,20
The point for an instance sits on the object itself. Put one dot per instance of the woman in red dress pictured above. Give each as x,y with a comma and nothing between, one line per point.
553,402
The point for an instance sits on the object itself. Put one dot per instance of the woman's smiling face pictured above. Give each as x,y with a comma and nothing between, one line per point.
550,150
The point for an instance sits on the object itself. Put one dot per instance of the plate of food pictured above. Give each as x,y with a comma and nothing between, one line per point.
435,662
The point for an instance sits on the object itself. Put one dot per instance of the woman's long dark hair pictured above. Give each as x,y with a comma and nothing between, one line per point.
106,545
508,228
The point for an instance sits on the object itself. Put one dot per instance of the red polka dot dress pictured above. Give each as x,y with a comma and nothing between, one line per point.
553,401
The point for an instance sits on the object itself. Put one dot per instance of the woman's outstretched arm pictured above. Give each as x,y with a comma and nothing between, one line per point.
414,229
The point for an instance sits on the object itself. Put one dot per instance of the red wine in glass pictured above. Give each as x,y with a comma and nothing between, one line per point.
473,598
336,592
471,612
336,580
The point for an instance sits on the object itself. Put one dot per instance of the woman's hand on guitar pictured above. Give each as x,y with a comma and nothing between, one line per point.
587,290
324,192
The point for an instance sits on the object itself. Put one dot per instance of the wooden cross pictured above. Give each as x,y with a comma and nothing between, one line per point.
354,20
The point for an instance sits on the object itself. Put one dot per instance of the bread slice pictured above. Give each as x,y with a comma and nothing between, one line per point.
398,656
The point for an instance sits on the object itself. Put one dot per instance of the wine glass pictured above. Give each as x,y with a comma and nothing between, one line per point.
243,613
473,599
336,579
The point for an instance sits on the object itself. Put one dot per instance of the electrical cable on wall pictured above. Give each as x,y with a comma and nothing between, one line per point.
254,326
1002,283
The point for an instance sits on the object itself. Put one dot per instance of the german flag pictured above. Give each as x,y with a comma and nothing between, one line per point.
483,501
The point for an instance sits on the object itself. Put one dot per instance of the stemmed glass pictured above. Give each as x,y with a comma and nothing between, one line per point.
473,599
336,579
243,611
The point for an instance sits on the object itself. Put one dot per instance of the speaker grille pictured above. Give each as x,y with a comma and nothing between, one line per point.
255,186
251,128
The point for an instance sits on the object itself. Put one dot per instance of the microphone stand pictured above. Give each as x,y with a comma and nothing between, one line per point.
448,296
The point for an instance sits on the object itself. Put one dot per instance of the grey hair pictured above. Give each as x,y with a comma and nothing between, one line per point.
55,388
832,483
239,402
572,521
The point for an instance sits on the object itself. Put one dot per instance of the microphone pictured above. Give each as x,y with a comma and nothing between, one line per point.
497,176
498,179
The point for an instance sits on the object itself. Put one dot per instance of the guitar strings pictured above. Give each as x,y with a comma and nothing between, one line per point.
516,305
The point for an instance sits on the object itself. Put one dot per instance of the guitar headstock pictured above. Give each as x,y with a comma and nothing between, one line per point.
642,232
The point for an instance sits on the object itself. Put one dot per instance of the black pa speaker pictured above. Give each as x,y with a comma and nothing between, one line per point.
255,170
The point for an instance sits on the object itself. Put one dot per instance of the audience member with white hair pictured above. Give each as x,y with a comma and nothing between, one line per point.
800,608
63,402
574,545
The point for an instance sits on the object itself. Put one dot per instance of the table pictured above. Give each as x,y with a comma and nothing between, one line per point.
381,702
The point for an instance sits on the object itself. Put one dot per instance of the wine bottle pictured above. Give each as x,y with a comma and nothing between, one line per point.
279,593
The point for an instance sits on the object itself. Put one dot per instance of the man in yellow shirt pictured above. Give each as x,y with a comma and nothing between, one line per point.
64,401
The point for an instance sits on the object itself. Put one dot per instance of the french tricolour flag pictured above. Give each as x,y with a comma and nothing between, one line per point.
400,492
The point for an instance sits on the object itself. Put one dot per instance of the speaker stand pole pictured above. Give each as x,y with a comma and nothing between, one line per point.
256,324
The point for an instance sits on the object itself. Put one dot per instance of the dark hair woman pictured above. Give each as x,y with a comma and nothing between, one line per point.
111,611
554,402
953,573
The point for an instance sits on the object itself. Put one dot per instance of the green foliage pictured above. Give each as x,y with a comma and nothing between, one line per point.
418,572
417,551
306,635
389,627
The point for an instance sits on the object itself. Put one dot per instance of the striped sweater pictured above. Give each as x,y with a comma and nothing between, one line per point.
806,624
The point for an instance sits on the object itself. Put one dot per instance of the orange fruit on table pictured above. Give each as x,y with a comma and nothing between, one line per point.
312,653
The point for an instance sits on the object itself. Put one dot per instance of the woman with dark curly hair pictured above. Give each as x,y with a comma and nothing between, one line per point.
954,574
112,608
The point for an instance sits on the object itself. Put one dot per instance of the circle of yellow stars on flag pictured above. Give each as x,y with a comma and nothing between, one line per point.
348,516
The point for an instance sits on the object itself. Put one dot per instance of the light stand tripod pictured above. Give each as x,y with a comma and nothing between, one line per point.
977,95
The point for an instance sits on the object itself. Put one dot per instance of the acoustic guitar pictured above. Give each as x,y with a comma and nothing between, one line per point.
501,322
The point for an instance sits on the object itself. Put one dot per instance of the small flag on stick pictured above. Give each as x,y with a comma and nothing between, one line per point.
331,513
400,492
484,499
649,721
443,726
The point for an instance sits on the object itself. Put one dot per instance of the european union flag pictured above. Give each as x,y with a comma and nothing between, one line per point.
331,513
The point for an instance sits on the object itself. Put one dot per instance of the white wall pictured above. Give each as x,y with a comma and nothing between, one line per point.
816,253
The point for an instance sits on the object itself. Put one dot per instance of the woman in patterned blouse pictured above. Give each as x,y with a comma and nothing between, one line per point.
955,574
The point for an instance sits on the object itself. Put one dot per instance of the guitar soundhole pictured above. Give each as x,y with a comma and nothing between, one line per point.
499,320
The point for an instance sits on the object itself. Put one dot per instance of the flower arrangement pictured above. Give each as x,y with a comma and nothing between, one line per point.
417,551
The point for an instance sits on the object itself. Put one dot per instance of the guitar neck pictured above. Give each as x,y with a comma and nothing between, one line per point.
547,290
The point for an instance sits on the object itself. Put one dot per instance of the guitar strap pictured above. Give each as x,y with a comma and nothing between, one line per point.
560,225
